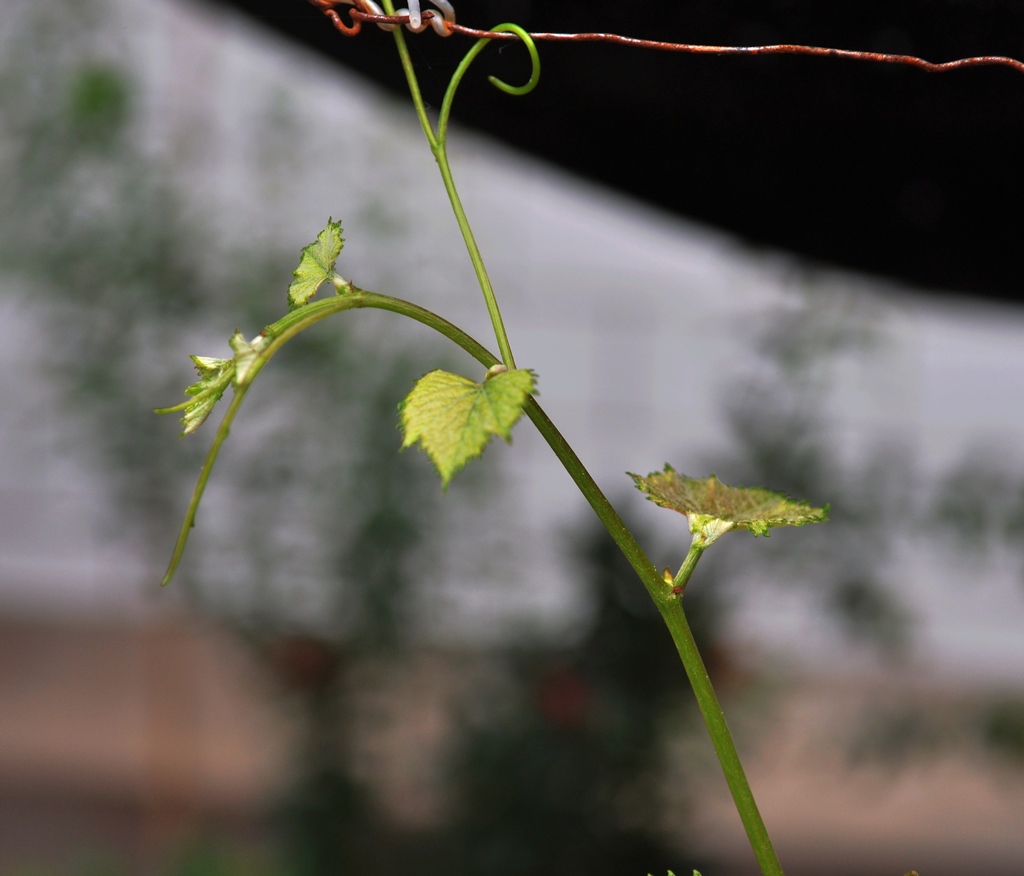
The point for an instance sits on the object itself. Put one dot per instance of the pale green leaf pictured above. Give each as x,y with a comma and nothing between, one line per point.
453,418
208,369
316,265
713,508
215,376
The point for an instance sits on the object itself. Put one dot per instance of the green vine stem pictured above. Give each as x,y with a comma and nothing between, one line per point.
666,591
714,718
662,592
438,140
725,748
670,605
666,595
350,297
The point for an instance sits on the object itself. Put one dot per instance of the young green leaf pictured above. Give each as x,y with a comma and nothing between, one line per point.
215,376
713,508
453,418
316,265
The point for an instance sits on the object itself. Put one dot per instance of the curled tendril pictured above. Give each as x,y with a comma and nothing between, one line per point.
531,47
478,47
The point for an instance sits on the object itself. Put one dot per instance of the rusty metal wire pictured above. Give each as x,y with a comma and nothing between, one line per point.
364,11
411,18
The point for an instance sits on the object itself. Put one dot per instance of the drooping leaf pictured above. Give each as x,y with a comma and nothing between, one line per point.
215,376
316,265
713,508
454,418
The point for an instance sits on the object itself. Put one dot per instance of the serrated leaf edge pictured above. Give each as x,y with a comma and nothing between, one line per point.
711,527
294,301
411,437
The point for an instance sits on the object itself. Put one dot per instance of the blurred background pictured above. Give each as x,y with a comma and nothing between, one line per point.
356,674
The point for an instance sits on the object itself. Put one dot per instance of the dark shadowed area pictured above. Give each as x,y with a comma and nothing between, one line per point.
883,169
